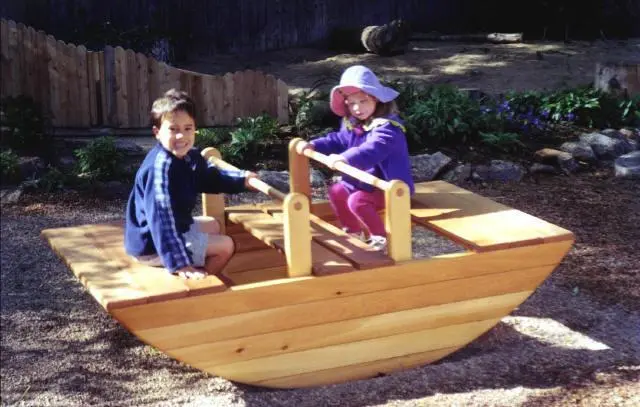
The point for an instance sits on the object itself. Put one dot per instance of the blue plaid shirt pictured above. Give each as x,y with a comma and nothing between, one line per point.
161,203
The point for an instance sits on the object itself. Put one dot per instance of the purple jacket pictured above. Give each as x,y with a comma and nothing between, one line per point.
381,150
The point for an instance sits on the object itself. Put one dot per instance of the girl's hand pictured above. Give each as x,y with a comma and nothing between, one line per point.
248,177
334,159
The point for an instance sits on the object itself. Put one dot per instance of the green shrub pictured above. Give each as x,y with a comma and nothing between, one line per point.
442,115
23,126
247,138
211,137
100,159
502,141
9,168
52,180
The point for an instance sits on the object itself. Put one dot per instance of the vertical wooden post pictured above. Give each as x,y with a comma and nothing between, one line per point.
398,220
297,235
298,170
213,204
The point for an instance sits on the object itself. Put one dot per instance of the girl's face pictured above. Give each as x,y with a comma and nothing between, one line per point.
176,133
361,105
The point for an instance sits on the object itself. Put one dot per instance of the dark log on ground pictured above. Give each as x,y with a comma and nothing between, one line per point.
496,38
620,78
387,39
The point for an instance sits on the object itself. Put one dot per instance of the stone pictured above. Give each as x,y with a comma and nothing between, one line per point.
561,159
31,167
628,165
580,151
128,147
505,171
277,179
538,168
461,172
426,167
606,147
10,196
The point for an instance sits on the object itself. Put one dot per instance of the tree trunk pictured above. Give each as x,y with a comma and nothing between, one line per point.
620,78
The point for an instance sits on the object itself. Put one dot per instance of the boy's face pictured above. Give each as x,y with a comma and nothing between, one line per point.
361,105
176,133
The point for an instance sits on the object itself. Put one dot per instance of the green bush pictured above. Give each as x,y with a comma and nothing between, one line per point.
502,141
23,126
52,180
9,169
211,137
100,159
247,138
441,115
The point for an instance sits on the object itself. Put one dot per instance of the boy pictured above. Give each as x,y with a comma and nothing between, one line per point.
160,229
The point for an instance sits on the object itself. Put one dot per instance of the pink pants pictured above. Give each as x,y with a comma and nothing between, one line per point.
358,208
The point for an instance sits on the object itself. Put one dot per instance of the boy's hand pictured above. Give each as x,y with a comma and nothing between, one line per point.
190,273
248,177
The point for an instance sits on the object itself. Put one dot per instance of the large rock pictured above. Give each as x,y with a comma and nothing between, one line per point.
581,151
426,167
606,147
498,170
561,159
628,165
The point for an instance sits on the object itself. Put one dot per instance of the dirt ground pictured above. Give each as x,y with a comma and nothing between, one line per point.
491,68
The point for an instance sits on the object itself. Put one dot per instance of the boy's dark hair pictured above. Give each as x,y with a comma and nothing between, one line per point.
172,101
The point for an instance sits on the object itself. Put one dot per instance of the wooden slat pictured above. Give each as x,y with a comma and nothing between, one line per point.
270,231
341,308
93,77
204,103
71,105
54,82
108,67
131,74
358,371
257,276
21,78
283,102
5,61
479,222
121,88
345,331
241,299
142,90
12,83
359,352
215,86
255,259
229,110
84,107
95,254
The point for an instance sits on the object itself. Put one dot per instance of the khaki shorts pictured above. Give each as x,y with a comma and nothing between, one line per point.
196,242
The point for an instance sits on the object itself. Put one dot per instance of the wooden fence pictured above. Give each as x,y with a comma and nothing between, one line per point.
116,87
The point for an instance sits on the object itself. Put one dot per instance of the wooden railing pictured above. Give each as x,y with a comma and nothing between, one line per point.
116,87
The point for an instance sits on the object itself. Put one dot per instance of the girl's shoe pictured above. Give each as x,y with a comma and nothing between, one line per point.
357,235
378,243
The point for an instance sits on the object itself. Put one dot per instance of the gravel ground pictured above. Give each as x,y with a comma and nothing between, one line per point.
571,343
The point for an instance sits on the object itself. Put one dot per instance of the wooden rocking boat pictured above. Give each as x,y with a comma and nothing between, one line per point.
310,305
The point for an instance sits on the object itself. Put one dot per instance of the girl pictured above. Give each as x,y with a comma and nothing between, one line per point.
371,138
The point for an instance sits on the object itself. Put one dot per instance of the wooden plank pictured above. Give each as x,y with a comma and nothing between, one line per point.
42,72
283,102
20,61
240,94
246,242
358,371
121,89
340,308
131,73
13,81
84,106
142,90
216,86
55,109
29,62
229,110
258,275
359,352
242,299
155,80
203,82
70,105
255,259
93,72
477,221
109,68
95,254
5,61
345,331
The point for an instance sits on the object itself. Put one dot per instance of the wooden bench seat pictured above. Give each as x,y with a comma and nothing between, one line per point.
478,222
95,254
332,250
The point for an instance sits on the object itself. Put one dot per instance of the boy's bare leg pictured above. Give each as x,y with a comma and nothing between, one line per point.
207,224
219,251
